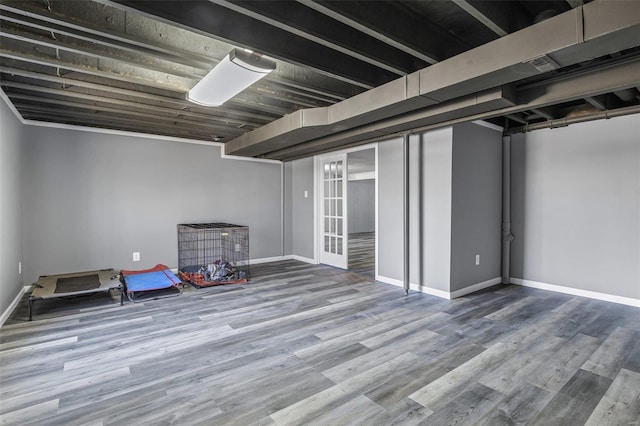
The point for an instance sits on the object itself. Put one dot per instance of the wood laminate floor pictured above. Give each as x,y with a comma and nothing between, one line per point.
309,344
362,255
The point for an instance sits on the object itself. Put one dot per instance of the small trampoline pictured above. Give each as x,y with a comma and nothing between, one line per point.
75,284
152,283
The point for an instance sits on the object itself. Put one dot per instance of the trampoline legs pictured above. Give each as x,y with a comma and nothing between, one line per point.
30,307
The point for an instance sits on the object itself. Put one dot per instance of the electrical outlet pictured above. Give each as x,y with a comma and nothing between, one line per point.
477,259
306,194
19,268
136,256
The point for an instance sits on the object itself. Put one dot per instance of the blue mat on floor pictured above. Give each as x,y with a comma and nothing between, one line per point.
151,281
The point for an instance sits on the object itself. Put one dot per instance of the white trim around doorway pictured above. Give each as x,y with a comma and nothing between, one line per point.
316,183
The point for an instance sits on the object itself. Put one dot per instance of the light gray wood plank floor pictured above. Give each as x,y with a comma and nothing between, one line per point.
362,255
310,344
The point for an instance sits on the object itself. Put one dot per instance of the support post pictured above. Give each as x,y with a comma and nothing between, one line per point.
507,236
282,208
405,221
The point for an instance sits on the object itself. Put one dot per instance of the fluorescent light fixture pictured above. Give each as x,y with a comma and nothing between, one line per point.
237,71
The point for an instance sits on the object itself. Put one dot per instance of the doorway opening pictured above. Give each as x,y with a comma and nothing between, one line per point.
346,208
361,211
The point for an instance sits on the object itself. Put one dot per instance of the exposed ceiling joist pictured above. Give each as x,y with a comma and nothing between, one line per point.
79,64
307,88
100,122
112,115
232,116
516,118
545,113
305,92
93,50
92,27
599,102
230,26
503,61
363,28
128,64
114,71
395,23
491,15
152,54
288,16
115,105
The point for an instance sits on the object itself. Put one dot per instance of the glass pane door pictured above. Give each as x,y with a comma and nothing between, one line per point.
333,211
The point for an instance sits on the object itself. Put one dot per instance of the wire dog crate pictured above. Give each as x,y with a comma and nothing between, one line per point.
213,253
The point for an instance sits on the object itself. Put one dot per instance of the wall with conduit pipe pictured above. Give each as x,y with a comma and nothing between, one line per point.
582,118
476,204
434,234
576,208
507,236
455,210
390,201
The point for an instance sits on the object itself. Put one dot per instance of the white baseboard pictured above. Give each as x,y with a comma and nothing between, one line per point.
280,258
7,313
268,259
577,292
304,259
387,280
441,293
475,287
422,289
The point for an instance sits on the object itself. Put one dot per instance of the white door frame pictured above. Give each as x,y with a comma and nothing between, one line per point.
317,201
332,210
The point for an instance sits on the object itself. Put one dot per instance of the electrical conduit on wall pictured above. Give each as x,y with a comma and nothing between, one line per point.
507,236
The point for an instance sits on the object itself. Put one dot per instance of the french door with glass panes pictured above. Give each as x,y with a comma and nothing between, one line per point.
333,210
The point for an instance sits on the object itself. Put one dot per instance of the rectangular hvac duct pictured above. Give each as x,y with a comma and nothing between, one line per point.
586,32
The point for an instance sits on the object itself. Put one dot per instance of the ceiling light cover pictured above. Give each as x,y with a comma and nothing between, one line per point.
237,71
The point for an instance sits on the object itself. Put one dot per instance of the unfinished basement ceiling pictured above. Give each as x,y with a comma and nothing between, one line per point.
128,65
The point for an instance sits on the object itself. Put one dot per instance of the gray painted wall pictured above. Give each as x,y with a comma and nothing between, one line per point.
518,215
430,208
455,207
11,159
416,209
390,201
361,209
577,206
92,199
288,208
476,205
302,211
436,233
